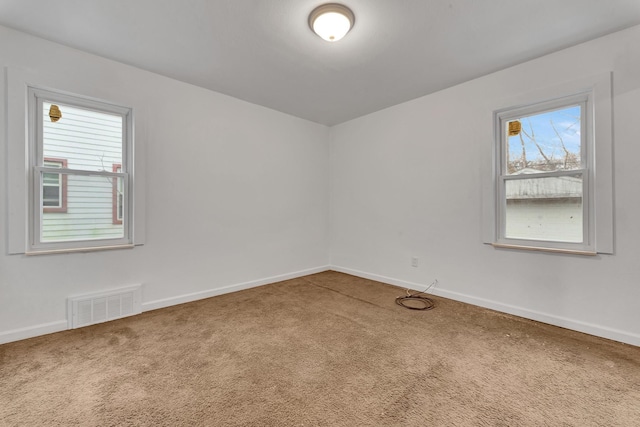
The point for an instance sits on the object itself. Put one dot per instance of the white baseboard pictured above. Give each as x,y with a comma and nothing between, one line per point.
588,328
62,325
32,331
181,299
576,325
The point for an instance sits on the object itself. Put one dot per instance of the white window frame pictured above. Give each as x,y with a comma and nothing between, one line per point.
502,118
35,98
598,160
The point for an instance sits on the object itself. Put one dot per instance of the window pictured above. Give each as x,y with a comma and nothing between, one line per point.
54,187
80,171
552,186
544,175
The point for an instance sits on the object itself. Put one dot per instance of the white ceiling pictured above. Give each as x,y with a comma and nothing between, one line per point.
263,51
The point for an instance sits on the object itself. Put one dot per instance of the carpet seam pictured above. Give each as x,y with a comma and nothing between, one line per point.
346,295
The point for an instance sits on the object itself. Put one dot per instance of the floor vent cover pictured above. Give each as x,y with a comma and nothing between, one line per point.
101,307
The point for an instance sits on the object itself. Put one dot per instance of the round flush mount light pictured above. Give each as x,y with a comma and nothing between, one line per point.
331,21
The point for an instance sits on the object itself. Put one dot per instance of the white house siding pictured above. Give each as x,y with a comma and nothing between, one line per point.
544,187
546,219
89,141
89,212
548,208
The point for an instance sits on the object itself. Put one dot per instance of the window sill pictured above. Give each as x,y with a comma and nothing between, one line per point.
540,249
74,250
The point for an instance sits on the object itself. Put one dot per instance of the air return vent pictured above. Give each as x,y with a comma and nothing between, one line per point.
100,307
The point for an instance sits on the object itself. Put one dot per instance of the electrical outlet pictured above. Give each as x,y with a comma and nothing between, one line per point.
414,261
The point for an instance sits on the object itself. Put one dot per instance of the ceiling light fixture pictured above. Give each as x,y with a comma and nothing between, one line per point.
331,21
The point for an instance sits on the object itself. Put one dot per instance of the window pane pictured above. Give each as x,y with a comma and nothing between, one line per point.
89,212
51,196
547,141
548,209
51,179
89,140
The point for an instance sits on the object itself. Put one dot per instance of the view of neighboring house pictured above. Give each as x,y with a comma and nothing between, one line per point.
82,140
549,208
543,174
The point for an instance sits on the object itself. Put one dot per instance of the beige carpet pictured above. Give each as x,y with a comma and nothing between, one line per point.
323,350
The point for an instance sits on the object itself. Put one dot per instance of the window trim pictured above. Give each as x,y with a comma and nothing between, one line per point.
63,187
17,81
600,87
35,97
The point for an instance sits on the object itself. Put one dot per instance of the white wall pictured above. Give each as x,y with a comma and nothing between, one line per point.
236,194
407,181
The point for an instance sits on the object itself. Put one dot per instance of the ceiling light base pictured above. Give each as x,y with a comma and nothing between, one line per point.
331,21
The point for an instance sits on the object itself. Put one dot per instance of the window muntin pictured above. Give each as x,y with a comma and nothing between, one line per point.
93,137
544,177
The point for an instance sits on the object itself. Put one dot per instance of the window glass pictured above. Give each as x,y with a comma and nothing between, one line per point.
547,209
88,215
545,142
51,188
89,140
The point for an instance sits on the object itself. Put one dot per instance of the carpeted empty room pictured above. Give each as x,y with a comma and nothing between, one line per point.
228,213
327,349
